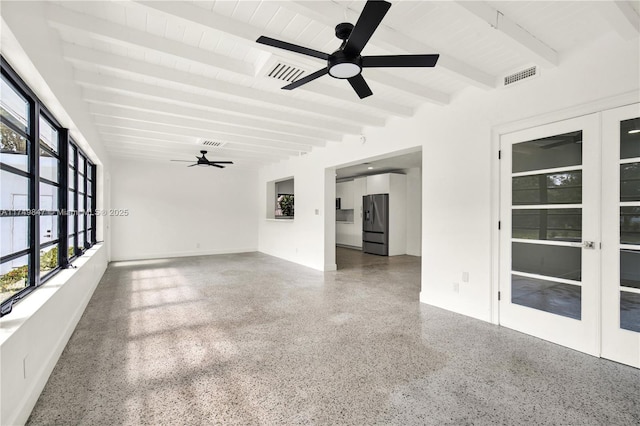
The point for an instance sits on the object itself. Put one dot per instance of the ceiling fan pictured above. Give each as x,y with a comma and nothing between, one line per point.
203,161
346,63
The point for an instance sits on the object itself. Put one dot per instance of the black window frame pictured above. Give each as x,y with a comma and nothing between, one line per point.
34,147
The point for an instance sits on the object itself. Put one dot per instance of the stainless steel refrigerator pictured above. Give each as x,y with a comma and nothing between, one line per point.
375,224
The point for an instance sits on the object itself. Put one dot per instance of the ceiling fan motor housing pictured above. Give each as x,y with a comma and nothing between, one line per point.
339,64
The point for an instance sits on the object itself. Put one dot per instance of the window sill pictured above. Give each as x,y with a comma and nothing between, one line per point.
26,308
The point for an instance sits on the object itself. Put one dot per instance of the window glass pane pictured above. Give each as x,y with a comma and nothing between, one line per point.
630,138
630,268
548,153
550,188
547,224
13,148
556,298
48,259
13,106
630,225
89,236
72,245
80,243
15,234
15,190
72,223
551,261
81,164
89,188
80,219
13,277
48,134
48,197
72,201
630,311
630,182
72,178
48,228
48,166
81,184
72,155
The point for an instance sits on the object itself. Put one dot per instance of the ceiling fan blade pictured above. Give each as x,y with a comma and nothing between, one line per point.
215,165
193,165
368,21
183,161
221,162
360,86
400,61
306,79
292,47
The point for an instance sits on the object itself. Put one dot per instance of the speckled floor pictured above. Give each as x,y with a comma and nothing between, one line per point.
248,339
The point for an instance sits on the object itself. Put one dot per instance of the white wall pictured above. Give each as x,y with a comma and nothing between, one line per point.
456,171
414,211
176,210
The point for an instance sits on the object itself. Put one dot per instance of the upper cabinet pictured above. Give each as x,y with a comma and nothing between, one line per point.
344,191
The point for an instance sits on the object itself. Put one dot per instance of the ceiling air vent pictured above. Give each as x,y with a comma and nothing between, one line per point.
213,144
524,74
285,72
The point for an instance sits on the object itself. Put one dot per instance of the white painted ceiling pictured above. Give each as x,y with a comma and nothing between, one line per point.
160,76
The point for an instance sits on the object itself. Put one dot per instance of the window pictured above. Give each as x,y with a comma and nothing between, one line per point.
280,199
46,181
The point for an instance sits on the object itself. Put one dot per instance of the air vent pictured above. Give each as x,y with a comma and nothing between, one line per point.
521,75
285,72
210,143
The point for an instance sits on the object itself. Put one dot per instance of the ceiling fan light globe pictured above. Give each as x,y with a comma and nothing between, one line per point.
344,70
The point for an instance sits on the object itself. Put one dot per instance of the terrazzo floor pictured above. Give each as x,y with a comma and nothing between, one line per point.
249,339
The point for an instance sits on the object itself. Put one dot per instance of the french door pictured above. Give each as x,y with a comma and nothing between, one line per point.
621,235
570,235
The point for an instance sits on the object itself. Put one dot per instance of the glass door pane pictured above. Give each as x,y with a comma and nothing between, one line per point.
545,265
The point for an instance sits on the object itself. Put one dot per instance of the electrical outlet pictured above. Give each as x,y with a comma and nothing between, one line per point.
456,287
197,245
24,367
465,277
317,212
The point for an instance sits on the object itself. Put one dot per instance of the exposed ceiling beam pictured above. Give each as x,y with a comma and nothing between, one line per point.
104,103
123,64
142,156
124,137
532,46
154,117
624,19
201,132
61,17
214,22
393,40
151,147
111,84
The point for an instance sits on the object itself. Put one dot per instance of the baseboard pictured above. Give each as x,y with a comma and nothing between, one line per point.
168,255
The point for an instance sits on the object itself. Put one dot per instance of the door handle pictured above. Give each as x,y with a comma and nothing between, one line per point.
589,245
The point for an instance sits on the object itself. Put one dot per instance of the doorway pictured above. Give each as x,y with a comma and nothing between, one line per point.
570,233
379,175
